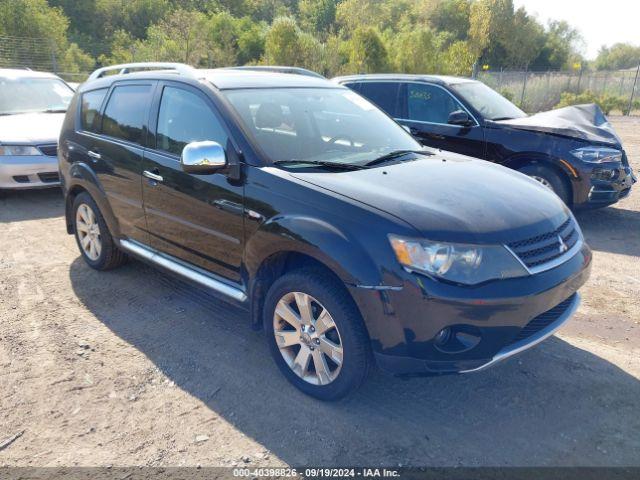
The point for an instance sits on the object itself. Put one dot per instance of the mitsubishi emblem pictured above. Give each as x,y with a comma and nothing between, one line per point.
563,246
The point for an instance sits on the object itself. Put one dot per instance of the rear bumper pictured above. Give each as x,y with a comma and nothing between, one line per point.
486,324
23,172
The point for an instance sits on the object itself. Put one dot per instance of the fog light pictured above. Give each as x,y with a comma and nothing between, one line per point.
443,336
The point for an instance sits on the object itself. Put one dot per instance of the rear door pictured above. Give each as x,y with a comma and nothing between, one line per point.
386,95
425,109
114,141
196,218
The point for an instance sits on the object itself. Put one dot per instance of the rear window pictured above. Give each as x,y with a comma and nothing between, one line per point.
126,112
90,109
383,94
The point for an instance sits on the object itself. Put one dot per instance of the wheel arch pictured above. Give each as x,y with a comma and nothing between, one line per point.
286,244
83,179
521,159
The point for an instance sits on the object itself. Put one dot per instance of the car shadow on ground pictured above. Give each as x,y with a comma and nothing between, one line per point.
554,405
611,229
19,205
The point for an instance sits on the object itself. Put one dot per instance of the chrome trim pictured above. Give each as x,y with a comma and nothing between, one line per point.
565,257
379,287
161,260
153,176
529,342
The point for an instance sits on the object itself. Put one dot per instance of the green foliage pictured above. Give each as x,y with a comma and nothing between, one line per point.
317,15
606,102
330,36
618,56
286,44
367,53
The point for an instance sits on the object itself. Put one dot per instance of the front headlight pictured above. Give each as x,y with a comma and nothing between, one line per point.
597,154
18,150
455,262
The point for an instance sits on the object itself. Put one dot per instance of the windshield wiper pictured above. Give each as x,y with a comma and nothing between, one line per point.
54,110
497,119
336,165
393,155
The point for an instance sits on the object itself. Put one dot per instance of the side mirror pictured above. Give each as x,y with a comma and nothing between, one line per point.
459,117
203,158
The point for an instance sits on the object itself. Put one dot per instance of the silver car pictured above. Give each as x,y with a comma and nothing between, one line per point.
32,109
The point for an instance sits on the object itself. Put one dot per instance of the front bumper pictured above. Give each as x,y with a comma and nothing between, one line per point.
608,183
487,323
21,172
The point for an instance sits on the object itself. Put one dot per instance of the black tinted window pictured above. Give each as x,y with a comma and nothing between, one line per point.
90,109
126,111
383,94
428,103
184,117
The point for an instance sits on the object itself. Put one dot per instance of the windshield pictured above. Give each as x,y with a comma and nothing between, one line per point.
488,102
26,95
318,125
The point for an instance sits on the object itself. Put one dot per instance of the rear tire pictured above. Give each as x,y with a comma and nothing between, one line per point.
325,353
549,178
93,237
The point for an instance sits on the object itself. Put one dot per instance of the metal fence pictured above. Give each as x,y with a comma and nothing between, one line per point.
35,54
539,91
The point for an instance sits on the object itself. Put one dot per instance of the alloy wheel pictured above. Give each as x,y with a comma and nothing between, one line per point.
88,231
308,338
543,181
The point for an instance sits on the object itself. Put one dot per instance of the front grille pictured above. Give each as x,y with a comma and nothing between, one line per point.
21,178
541,249
544,320
49,150
49,177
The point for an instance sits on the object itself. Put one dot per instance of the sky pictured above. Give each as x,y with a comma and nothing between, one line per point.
601,22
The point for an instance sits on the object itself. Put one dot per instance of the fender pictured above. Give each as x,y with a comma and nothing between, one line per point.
521,158
81,175
324,242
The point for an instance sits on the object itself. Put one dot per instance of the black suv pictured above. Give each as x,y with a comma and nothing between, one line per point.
299,200
574,151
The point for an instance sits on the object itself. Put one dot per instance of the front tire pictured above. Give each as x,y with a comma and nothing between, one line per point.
548,178
316,335
93,237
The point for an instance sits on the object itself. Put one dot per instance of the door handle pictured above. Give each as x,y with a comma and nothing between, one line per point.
153,176
94,155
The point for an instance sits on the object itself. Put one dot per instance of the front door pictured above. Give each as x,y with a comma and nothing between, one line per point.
196,218
425,109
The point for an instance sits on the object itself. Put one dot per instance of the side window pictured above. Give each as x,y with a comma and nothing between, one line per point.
126,111
383,94
184,117
428,103
90,109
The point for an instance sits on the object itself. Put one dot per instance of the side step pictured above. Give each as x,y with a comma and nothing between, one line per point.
178,268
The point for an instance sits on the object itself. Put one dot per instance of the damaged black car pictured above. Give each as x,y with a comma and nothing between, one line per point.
573,151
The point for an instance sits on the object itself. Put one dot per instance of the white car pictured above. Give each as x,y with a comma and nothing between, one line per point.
32,109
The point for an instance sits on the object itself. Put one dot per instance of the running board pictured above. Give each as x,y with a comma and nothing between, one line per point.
182,270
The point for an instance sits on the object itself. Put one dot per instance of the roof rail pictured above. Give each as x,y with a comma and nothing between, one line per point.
277,69
180,69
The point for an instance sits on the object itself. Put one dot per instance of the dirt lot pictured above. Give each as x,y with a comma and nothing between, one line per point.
132,367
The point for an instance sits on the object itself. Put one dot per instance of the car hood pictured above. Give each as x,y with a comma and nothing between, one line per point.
31,128
586,122
451,197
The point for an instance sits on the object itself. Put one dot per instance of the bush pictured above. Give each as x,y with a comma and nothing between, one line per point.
606,102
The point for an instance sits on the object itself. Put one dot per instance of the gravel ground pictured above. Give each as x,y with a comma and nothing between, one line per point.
132,367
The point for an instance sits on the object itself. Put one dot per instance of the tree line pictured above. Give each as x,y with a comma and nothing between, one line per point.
328,36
